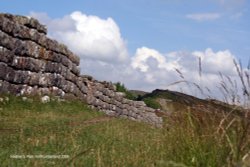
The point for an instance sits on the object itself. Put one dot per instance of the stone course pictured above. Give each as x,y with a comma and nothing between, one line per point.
31,64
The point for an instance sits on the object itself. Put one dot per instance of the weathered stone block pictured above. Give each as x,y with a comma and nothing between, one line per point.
29,22
6,55
6,41
139,103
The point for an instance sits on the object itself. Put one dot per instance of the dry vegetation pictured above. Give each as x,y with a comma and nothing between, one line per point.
91,139
197,135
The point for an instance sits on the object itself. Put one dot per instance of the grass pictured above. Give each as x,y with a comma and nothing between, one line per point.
89,138
121,88
151,102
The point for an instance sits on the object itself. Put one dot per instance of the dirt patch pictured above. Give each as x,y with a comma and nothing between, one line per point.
4,131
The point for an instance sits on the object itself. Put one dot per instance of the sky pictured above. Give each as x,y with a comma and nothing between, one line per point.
148,44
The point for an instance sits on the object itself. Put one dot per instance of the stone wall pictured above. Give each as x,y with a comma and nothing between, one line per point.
31,63
103,96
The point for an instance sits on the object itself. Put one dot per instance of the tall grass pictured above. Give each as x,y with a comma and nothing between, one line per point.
230,129
233,90
91,139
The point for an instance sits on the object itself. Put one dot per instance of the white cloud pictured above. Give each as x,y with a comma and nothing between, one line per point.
99,44
143,54
159,70
55,25
214,62
87,36
203,16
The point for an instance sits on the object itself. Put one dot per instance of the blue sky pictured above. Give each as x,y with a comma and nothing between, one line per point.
160,24
173,32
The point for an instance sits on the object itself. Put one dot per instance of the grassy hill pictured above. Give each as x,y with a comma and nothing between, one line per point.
89,138
172,101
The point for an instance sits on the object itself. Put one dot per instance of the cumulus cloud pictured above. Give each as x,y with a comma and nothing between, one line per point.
203,16
104,55
161,70
214,62
55,25
88,36
142,55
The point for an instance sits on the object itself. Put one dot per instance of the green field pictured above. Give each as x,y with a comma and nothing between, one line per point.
84,137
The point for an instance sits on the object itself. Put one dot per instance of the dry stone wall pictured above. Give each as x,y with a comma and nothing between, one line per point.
31,63
102,95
